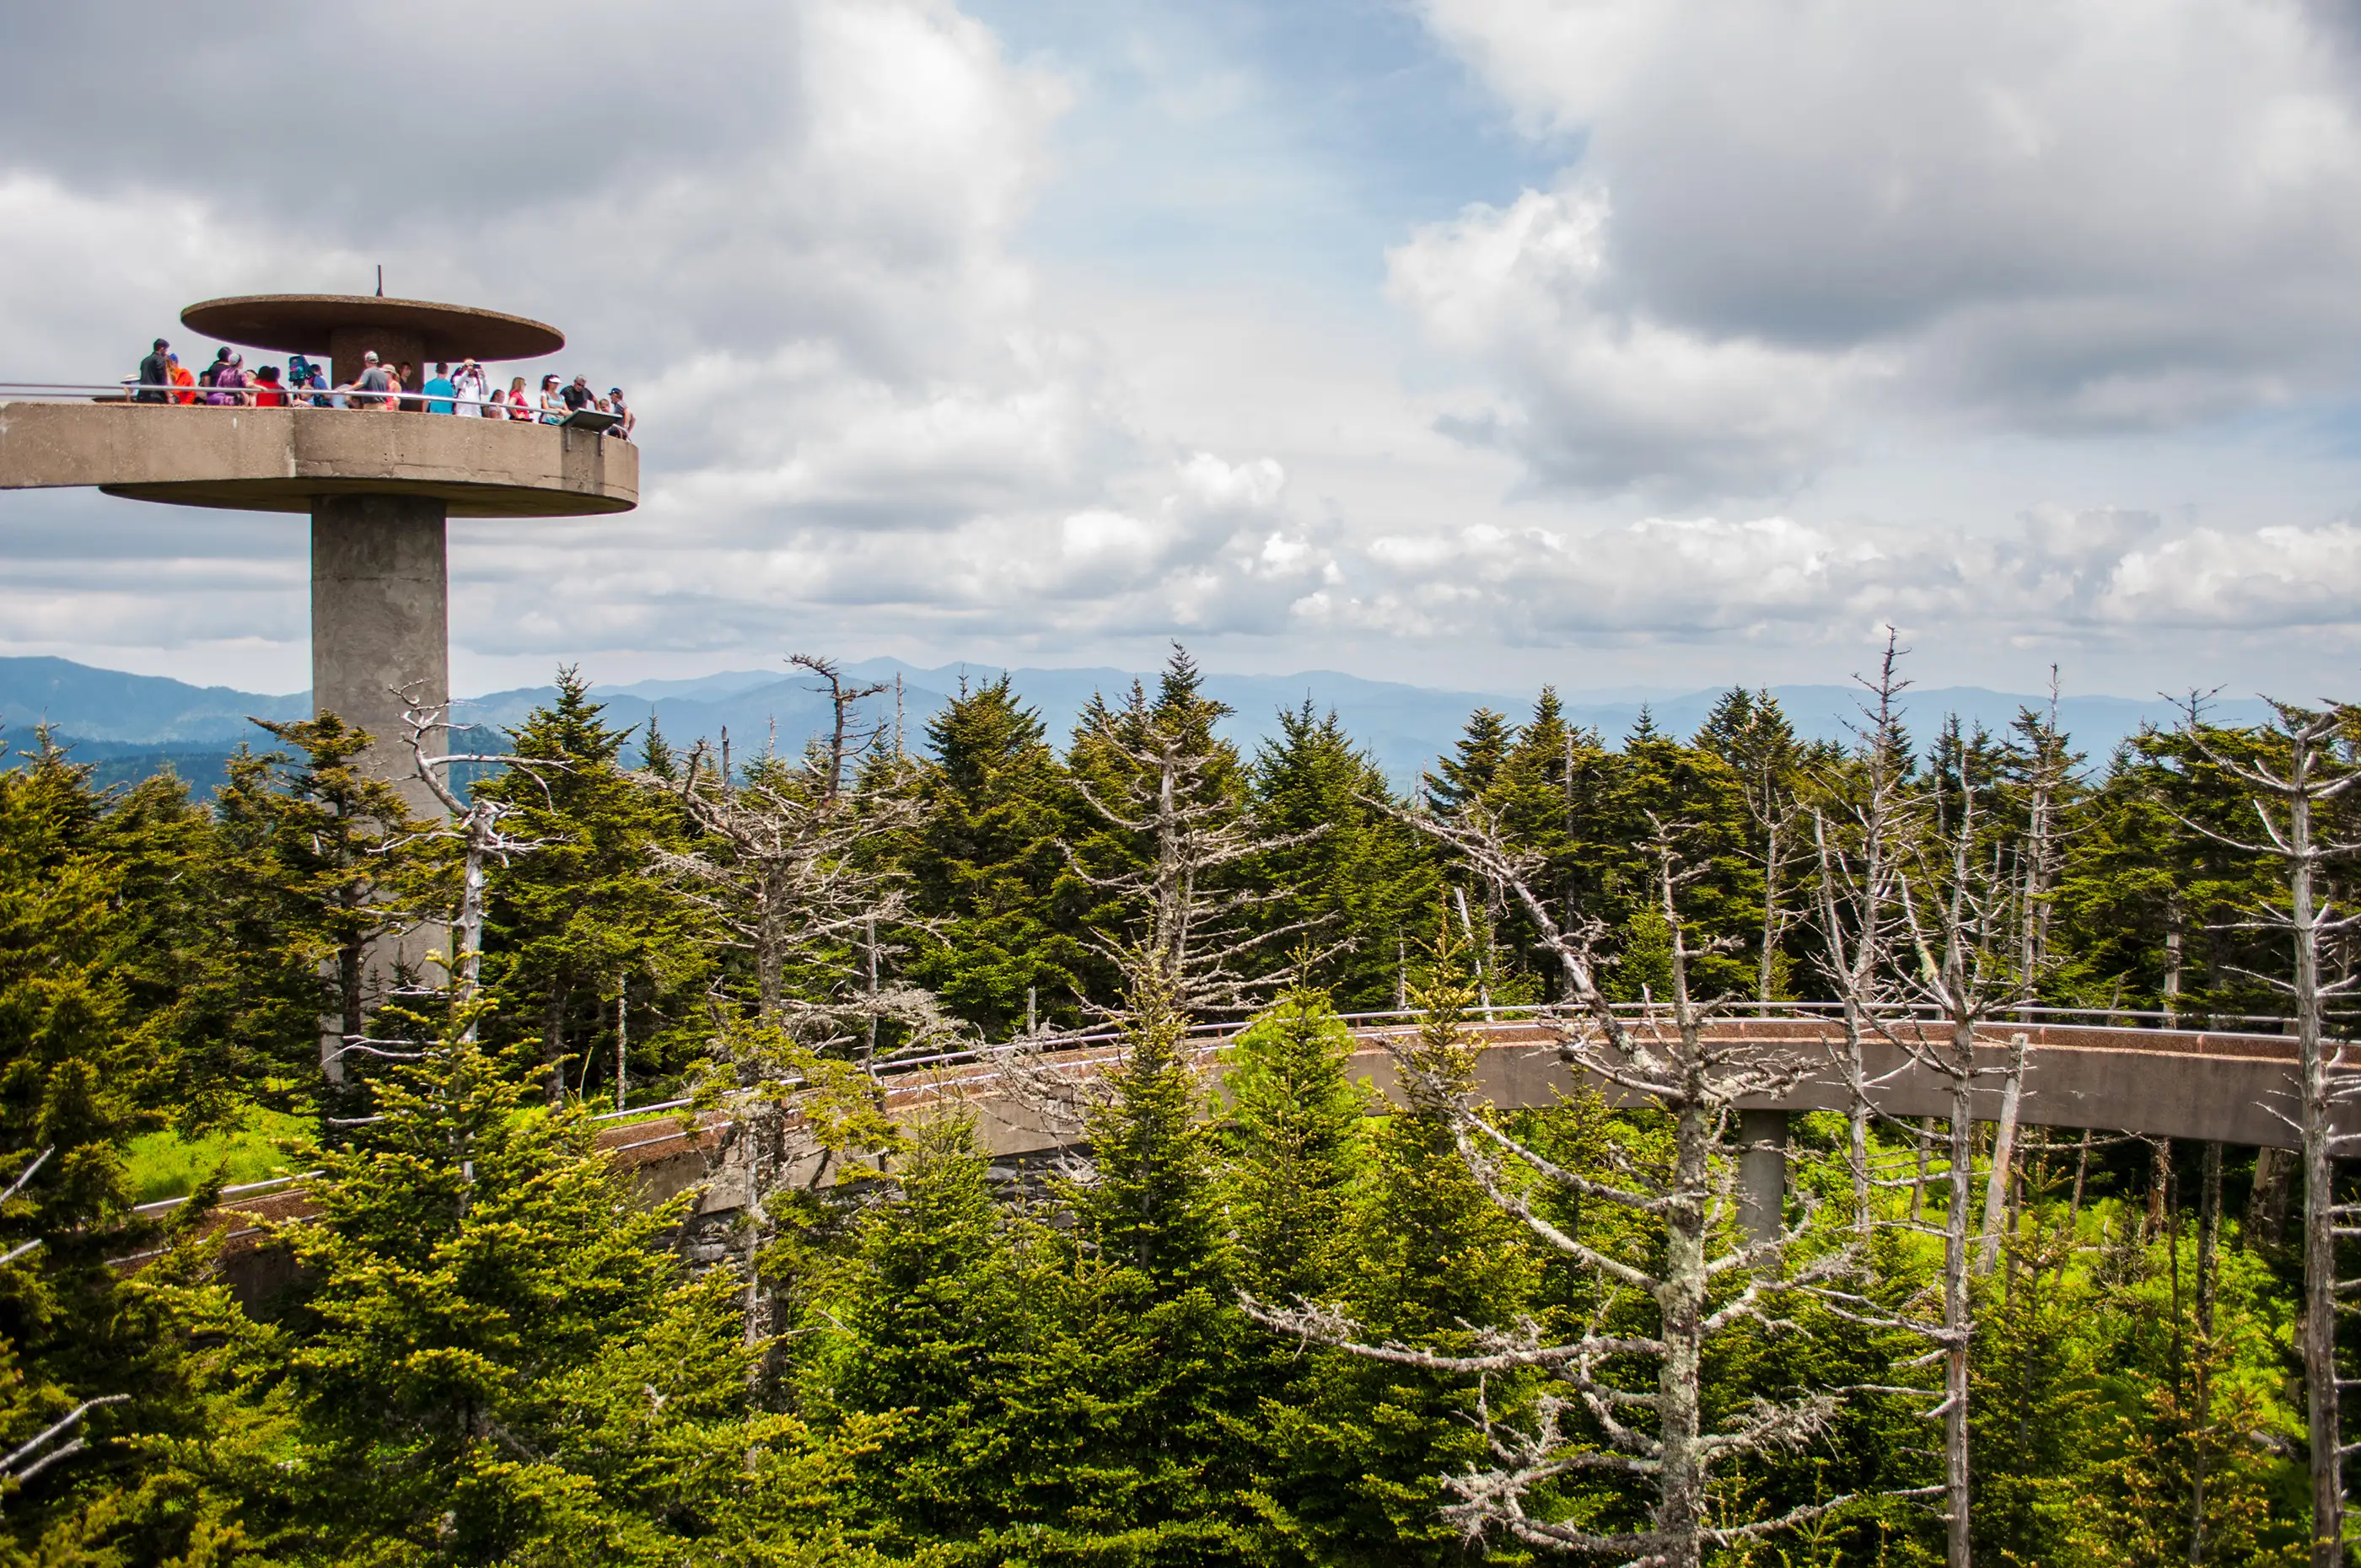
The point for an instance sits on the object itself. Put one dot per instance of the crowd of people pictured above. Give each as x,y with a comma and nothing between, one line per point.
466,390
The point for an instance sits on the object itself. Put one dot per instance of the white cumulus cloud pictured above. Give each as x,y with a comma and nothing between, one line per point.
1777,225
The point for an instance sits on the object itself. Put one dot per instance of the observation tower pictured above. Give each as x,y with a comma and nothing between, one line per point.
379,485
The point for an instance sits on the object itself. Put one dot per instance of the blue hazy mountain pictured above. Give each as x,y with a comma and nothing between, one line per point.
108,704
131,725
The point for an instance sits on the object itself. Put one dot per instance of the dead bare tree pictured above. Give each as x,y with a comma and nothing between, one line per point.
476,821
1859,832
42,1450
789,876
847,740
1654,1432
2044,775
1193,928
2314,768
1961,928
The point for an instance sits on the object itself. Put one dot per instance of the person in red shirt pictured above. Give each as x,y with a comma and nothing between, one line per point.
266,393
181,376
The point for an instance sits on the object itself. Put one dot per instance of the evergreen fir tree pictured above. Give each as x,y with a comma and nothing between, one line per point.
1151,1207
1150,1326
934,1325
1296,1146
1363,880
1662,780
1549,798
1435,1254
318,862
1467,775
985,858
79,1075
1749,733
2151,914
656,756
1298,1157
1357,1447
579,916
508,1363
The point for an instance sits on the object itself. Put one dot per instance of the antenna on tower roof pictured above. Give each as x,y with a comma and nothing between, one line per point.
381,279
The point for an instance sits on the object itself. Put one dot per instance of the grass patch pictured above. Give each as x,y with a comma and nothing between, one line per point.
166,1165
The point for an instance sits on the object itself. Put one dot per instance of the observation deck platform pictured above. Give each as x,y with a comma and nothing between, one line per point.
287,459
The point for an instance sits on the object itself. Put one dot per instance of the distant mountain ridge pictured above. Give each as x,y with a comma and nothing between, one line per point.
121,718
109,705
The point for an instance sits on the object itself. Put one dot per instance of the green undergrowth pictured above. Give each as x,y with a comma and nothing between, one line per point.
265,1143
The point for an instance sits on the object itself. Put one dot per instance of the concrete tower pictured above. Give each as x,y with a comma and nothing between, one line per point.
377,486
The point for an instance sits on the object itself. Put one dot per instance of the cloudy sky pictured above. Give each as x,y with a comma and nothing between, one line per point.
1464,342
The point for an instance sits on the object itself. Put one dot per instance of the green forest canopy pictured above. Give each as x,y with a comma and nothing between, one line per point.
492,1352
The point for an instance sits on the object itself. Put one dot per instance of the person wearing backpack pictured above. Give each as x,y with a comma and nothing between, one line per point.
228,382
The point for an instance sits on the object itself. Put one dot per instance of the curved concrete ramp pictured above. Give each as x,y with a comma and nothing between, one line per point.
2234,1088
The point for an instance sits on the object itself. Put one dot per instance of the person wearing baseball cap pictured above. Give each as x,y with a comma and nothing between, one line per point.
374,378
471,391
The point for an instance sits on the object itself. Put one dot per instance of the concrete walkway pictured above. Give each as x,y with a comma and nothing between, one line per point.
2234,1088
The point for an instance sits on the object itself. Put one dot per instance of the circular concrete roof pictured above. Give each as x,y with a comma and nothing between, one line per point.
302,323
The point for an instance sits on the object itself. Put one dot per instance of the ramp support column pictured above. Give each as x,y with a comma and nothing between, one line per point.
1761,1173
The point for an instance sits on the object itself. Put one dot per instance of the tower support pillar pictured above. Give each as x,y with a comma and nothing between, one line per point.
381,622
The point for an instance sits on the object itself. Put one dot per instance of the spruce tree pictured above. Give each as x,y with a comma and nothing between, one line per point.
1151,1208
580,919
1466,776
1750,732
2153,913
985,859
503,1361
1359,886
1552,797
933,1324
1298,1156
1151,1325
1659,780
318,865
1434,1254
1296,1146
79,1075
1355,1449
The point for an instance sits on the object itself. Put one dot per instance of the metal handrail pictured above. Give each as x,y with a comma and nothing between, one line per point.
297,397
1205,1038
1221,1030
159,1204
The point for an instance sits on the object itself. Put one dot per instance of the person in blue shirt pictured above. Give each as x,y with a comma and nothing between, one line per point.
439,391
